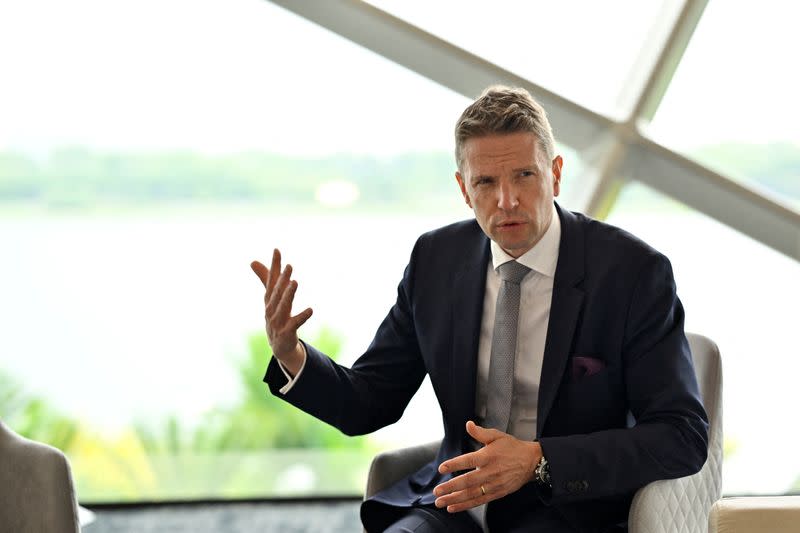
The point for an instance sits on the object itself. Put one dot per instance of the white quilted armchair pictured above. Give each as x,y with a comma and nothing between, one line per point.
682,505
36,489
669,506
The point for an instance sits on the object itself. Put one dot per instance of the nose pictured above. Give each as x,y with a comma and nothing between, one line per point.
508,198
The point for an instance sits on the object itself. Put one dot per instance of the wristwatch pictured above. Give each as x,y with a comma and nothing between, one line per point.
542,473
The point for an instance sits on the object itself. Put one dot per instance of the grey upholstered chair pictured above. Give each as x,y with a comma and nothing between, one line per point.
36,487
668,506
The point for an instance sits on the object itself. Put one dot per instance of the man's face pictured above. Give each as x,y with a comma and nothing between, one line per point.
509,189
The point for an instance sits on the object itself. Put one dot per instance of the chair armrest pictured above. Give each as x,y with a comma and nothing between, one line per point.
674,505
776,514
38,491
682,505
391,466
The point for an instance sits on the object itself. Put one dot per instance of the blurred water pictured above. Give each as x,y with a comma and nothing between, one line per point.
121,317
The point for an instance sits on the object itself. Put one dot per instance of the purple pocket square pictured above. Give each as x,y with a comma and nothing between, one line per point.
583,367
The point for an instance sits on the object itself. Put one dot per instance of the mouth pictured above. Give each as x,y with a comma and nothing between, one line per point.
510,225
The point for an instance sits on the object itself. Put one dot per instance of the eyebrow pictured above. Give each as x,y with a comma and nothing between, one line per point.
532,168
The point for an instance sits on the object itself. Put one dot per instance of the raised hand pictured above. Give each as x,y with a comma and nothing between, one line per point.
502,466
281,325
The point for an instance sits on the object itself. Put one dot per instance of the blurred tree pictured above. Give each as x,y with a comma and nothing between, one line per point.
34,417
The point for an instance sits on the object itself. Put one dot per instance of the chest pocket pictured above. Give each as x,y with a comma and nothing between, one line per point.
589,403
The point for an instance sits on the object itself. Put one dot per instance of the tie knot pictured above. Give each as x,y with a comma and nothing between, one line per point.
512,272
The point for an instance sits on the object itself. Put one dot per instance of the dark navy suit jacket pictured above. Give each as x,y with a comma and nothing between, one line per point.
619,405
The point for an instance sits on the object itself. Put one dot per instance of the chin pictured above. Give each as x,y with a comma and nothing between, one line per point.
515,249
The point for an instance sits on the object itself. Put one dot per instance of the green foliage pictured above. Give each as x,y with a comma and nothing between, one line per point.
730,445
80,178
257,421
258,446
34,417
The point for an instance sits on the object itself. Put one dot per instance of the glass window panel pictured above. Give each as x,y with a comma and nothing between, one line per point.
582,50
732,104
139,176
744,296
138,179
209,75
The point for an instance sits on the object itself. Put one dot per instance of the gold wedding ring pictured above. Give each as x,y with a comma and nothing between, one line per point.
483,491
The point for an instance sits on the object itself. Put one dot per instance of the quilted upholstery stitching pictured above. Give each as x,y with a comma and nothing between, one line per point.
682,505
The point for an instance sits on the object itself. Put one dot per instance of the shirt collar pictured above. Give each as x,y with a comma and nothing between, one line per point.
543,257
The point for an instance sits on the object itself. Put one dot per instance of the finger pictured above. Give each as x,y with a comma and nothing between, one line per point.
300,318
469,480
482,434
467,461
466,499
261,271
460,497
274,270
284,306
469,504
279,290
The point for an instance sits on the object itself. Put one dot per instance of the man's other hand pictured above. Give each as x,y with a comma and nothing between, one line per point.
501,467
281,325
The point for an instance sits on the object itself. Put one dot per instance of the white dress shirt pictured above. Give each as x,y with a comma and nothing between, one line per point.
536,292
536,295
292,380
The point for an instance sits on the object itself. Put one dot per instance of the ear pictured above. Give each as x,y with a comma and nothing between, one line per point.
463,186
557,163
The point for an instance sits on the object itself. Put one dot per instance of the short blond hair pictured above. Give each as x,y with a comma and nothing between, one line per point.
501,110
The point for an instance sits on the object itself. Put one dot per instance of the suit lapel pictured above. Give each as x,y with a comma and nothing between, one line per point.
468,287
564,312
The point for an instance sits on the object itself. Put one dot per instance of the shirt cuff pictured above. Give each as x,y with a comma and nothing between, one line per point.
292,380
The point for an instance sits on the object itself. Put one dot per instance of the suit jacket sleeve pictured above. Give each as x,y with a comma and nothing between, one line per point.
669,439
375,391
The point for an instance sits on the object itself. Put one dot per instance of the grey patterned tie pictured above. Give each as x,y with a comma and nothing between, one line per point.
504,346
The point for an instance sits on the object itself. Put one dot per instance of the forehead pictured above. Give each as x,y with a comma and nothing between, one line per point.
519,149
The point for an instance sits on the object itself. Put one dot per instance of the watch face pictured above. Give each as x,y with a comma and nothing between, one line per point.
543,472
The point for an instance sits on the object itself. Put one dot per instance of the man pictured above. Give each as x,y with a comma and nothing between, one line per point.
554,344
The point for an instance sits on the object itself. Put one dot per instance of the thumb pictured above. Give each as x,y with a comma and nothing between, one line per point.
482,434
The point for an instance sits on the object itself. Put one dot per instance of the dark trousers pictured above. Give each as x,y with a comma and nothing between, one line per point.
429,519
